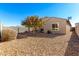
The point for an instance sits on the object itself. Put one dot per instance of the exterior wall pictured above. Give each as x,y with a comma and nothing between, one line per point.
0,27
77,28
68,28
60,22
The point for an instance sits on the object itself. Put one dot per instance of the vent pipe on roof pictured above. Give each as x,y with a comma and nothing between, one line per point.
69,18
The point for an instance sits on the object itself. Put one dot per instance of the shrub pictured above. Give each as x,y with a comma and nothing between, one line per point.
8,34
42,30
49,32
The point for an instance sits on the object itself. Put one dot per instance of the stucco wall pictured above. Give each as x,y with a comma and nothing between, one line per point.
77,28
50,21
68,28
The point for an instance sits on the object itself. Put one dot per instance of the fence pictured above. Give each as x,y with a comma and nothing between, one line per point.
19,29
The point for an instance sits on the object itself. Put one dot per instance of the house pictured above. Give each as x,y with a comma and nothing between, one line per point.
77,28
56,25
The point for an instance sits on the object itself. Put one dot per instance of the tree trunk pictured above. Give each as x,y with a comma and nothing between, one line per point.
35,28
28,29
18,29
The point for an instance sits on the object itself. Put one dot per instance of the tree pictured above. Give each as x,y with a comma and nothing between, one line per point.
40,23
32,21
27,23
36,22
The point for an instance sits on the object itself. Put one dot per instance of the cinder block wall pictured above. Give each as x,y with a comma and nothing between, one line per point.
20,29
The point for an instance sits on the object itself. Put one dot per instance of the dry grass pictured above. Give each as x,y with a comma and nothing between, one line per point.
35,46
8,34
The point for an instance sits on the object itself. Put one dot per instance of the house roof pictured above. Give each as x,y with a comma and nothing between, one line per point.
67,21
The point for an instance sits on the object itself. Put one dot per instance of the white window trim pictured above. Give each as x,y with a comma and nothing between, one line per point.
56,28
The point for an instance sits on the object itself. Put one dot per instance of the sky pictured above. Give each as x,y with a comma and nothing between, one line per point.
11,14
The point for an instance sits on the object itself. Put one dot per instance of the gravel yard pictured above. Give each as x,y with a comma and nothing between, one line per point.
73,46
36,46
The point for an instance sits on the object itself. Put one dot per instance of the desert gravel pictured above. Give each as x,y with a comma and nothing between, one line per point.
35,46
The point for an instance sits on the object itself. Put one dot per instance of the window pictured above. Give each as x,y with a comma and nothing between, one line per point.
55,27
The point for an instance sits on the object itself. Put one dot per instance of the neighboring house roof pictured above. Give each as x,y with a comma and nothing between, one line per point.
77,24
47,18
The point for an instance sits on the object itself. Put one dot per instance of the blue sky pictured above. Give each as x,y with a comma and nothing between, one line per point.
11,14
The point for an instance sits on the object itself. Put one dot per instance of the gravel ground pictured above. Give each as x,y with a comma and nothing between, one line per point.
35,46
73,46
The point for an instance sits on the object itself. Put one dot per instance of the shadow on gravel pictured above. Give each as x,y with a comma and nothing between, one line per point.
39,35
73,45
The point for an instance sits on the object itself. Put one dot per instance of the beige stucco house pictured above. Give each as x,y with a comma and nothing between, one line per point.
56,25
77,28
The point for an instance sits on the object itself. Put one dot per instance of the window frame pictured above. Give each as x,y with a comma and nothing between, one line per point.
55,29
